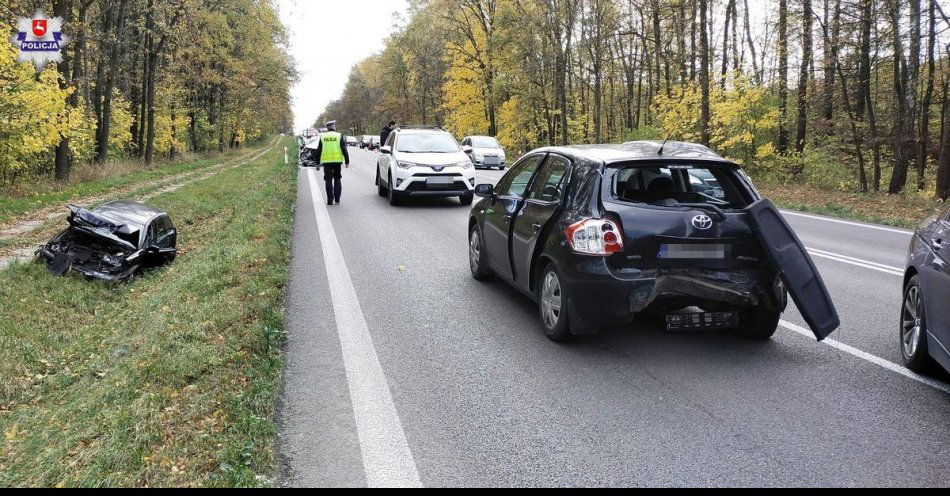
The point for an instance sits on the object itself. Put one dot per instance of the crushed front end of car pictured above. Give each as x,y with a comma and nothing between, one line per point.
93,246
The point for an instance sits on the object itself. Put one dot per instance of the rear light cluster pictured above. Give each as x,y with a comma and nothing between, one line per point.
595,237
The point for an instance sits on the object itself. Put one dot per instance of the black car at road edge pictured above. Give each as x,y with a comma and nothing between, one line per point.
597,234
925,311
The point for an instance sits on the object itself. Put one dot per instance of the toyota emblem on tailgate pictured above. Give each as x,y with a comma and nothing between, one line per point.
702,222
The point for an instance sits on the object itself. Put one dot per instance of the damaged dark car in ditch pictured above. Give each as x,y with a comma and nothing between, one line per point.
599,234
112,242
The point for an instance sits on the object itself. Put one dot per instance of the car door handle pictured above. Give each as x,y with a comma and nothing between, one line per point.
938,244
508,216
536,227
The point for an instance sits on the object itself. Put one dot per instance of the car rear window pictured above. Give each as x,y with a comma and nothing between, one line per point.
675,184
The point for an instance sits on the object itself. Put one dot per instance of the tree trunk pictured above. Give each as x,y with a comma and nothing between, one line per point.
905,89
64,8
943,163
704,73
725,44
102,145
928,96
782,76
829,76
864,59
748,36
803,76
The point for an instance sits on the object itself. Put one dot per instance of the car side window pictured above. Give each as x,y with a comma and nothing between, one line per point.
390,140
516,181
152,232
549,183
165,227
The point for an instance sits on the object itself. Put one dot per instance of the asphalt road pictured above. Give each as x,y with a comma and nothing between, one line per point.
403,370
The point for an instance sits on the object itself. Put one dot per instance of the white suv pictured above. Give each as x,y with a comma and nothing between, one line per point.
417,161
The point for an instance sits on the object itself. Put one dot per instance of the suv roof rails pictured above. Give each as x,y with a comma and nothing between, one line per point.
430,128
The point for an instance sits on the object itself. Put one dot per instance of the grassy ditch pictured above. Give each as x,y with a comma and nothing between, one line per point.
168,380
906,210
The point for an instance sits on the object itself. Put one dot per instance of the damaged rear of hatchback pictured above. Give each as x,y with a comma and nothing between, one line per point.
111,242
600,234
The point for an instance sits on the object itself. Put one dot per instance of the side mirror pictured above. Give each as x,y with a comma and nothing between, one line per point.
484,191
467,149
387,150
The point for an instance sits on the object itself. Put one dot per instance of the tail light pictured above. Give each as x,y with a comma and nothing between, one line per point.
595,237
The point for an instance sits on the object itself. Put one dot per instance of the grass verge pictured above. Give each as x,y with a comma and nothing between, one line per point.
169,380
20,200
906,210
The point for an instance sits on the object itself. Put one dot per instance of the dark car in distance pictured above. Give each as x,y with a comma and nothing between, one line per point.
112,242
597,234
925,312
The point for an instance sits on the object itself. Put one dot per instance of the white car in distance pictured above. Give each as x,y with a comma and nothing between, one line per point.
424,161
486,152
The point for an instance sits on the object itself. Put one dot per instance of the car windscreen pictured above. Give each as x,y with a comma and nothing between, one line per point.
485,142
426,143
679,184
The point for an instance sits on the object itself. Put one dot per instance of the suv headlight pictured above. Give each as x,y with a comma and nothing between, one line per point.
464,164
405,165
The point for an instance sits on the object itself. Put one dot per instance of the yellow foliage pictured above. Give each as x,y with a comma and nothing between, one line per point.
32,111
514,125
80,128
740,115
120,126
464,105
170,132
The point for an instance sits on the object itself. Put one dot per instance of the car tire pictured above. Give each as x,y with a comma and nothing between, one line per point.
553,309
394,197
380,189
478,256
467,199
759,322
913,328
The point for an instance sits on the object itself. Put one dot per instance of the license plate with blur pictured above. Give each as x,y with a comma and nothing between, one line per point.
702,321
685,251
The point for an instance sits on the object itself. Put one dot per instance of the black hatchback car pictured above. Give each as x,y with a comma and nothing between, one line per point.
925,313
597,234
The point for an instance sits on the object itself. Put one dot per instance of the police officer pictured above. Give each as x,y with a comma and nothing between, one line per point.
331,154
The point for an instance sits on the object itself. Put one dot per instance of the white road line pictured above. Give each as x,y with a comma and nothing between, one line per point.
887,269
849,223
387,459
876,360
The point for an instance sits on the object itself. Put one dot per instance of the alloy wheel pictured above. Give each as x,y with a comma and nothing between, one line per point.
912,322
551,300
474,251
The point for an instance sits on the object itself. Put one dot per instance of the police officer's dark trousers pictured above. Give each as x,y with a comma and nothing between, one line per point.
333,176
